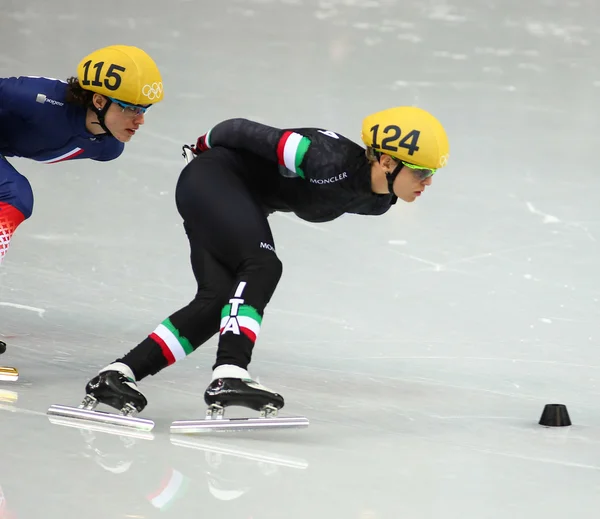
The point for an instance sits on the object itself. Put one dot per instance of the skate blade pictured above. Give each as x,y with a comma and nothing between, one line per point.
237,452
8,374
100,427
101,417
238,424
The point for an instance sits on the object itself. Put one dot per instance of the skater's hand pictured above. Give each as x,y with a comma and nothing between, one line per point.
200,145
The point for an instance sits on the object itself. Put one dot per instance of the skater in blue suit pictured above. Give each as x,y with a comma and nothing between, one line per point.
90,116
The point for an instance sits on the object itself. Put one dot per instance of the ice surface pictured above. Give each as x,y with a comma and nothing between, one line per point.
422,345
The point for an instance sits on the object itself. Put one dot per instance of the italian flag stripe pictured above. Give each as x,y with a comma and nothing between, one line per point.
164,348
248,326
174,346
248,319
291,150
245,310
185,344
171,488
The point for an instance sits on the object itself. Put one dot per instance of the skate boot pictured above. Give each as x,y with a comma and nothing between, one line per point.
115,386
2,347
232,386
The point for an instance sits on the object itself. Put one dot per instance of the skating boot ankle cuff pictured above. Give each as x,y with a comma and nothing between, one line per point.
230,371
121,368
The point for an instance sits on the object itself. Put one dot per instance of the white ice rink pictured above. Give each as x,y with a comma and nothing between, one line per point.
426,349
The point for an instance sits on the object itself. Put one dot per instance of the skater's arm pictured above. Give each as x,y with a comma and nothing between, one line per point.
243,134
301,155
25,95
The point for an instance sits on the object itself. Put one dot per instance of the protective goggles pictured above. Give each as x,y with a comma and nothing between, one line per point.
133,110
421,172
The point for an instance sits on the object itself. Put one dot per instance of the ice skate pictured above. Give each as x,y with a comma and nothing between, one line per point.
7,374
226,392
115,387
232,386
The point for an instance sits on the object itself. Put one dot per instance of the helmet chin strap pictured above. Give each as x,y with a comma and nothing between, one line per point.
101,114
391,176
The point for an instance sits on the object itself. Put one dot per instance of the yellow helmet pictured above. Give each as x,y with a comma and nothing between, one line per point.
409,134
122,72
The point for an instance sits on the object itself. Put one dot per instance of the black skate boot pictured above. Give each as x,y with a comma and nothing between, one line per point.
233,386
225,392
114,386
115,389
2,347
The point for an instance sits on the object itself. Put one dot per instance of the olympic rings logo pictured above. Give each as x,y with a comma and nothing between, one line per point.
153,91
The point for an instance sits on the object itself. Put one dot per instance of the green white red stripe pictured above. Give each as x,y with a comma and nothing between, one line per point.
171,488
173,345
291,149
248,320
206,139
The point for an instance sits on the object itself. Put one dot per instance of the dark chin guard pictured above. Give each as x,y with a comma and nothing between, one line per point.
101,114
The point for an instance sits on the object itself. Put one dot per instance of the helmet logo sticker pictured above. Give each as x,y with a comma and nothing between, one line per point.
153,91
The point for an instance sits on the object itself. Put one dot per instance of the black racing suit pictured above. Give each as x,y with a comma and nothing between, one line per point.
224,197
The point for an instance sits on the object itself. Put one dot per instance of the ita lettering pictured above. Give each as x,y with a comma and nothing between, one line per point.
236,301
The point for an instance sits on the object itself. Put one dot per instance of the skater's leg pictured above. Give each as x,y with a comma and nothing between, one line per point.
234,263
173,339
191,326
229,236
16,205
235,231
